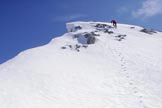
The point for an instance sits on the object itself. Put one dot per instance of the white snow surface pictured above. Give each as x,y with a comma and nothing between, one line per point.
107,74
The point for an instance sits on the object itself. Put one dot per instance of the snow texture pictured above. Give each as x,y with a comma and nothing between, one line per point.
122,68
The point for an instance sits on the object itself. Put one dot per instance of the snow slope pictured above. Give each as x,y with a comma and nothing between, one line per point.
122,69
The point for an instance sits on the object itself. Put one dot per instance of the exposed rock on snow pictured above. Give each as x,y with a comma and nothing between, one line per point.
92,66
120,37
86,38
148,31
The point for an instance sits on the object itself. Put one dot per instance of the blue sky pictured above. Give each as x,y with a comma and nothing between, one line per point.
26,24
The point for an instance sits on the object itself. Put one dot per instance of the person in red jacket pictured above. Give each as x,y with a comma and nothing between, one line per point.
114,23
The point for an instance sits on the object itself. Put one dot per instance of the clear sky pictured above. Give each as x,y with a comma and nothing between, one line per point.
26,24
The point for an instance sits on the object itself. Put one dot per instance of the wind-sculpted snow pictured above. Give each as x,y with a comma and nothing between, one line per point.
118,68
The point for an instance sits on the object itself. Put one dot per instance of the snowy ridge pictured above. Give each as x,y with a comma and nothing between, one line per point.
92,66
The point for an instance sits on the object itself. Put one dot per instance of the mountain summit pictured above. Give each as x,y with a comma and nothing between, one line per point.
94,65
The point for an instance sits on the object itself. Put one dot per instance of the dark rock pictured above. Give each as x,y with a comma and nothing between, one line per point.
132,27
63,47
90,37
85,46
91,40
70,46
86,38
77,46
120,37
102,26
77,50
76,36
148,31
76,28
110,32
107,31
86,35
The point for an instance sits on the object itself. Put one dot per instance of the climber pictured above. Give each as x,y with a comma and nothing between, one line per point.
114,23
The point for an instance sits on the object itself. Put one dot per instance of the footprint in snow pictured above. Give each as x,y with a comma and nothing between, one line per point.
130,83
140,101
135,92
128,77
145,107
122,59
122,65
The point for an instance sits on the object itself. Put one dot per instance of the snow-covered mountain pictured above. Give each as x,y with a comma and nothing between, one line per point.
92,66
